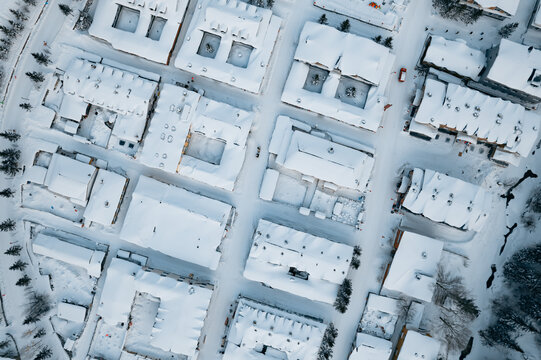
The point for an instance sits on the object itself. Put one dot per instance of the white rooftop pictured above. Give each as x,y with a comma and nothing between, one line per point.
234,27
514,65
286,335
70,178
380,316
105,199
147,29
71,312
455,56
442,198
182,116
76,255
417,346
277,248
368,347
346,55
177,222
414,267
318,157
508,6
182,307
481,116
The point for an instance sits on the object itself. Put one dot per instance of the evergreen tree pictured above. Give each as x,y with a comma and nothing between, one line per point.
344,26
378,39
327,343
7,193
323,19
24,281
342,298
16,25
453,9
66,10
14,250
4,344
10,153
4,51
7,225
10,167
357,250
38,305
270,4
355,262
507,30
19,15
35,76
388,42
10,135
8,31
30,2
25,106
44,353
18,265
41,58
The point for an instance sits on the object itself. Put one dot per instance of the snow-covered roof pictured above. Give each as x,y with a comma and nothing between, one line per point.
176,222
238,26
113,89
178,115
484,117
508,6
380,316
347,56
368,347
417,346
414,267
285,335
105,198
515,65
455,56
70,178
71,312
277,248
446,199
76,255
147,29
73,108
181,312
323,159
536,21
384,17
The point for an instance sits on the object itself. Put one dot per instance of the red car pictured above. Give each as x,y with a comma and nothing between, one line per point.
402,75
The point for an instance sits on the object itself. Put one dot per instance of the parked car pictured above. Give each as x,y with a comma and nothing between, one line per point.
402,75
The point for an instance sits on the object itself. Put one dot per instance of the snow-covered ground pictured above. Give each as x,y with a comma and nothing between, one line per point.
394,150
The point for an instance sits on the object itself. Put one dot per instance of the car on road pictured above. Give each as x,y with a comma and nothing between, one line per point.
402,75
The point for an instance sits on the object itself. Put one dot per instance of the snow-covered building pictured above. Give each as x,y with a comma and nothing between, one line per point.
196,137
55,248
477,118
386,14
144,28
297,262
104,203
445,199
71,312
339,75
230,41
176,222
259,331
500,9
536,18
454,56
368,347
517,70
302,158
414,345
163,312
380,316
414,267
102,104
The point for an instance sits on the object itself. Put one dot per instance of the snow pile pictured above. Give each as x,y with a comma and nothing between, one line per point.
181,312
70,178
277,249
260,331
180,119
176,222
480,116
105,199
455,56
517,67
344,56
147,29
502,7
414,267
368,347
445,199
417,346
229,41
296,149
385,16
53,247
380,316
